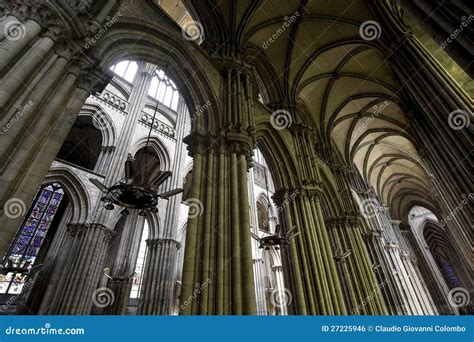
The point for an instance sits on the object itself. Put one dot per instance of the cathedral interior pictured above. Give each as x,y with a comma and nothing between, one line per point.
224,157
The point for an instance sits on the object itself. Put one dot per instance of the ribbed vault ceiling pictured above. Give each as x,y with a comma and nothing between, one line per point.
319,62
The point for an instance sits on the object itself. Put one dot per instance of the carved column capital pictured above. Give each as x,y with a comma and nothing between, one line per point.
162,241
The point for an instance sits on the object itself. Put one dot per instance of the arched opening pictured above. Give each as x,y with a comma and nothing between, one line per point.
269,283
263,214
137,279
125,69
441,267
82,146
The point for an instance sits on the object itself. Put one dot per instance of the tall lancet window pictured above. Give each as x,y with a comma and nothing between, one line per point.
140,264
164,90
30,237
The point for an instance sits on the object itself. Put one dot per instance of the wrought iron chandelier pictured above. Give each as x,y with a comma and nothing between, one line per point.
138,189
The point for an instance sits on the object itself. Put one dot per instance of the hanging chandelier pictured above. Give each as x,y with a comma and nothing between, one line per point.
138,189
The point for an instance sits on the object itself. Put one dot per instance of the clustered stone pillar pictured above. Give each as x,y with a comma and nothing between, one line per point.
156,296
123,265
218,272
162,256
391,254
104,159
315,285
442,21
83,258
433,279
44,81
442,121
414,277
363,292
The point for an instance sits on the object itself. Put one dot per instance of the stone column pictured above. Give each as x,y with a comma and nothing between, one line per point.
137,101
364,294
442,121
155,298
167,259
83,255
260,296
257,254
36,131
103,161
315,285
417,282
124,263
442,21
375,238
433,281
218,273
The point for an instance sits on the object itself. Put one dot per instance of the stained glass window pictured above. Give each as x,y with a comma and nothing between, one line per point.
453,280
30,237
140,264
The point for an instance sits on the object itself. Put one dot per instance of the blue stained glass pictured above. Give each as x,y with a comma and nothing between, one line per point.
28,230
32,251
41,233
26,247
